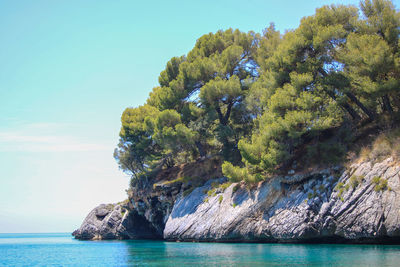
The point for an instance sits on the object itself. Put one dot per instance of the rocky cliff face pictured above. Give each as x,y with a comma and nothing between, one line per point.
155,200
115,222
357,204
361,204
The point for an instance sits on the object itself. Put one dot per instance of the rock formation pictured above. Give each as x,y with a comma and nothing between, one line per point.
361,205
114,222
357,204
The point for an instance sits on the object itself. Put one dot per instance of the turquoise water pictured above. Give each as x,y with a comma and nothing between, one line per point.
62,250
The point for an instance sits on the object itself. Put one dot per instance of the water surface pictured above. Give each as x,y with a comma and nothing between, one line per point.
62,250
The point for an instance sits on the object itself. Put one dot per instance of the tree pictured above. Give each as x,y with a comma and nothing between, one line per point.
136,148
334,63
304,90
173,136
370,55
211,81
262,101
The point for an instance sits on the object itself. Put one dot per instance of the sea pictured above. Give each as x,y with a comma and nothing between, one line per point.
61,249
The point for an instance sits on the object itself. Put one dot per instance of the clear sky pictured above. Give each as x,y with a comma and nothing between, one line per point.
67,71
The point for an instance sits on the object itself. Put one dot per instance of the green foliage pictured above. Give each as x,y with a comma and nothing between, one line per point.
173,136
218,89
334,66
136,149
208,86
177,180
347,187
236,188
262,101
171,71
268,44
355,180
224,186
381,186
298,104
236,174
376,179
211,192
214,184
220,198
340,188
380,183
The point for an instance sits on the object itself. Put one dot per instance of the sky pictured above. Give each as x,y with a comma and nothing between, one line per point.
68,69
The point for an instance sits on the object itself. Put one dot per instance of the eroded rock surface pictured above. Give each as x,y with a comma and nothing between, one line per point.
357,204
109,221
329,205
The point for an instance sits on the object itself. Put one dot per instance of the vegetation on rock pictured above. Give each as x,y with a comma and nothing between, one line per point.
264,103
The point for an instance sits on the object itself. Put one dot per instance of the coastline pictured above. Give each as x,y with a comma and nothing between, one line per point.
298,209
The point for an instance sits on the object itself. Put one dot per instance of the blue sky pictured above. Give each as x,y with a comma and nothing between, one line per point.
69,68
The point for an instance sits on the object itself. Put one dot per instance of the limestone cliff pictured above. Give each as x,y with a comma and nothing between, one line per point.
360,203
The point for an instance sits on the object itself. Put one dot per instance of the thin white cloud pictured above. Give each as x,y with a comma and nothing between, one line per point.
46,125
16,137
43,137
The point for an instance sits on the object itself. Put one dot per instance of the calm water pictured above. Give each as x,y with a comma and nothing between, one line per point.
62,250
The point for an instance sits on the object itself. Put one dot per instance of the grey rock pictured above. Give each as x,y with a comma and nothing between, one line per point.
292,208
295,209
110,221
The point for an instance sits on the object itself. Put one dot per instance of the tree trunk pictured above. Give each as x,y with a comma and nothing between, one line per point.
230,152
200,148
354,115
396,101
386,104
224,118
346,106
228,111
221,117
354,99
